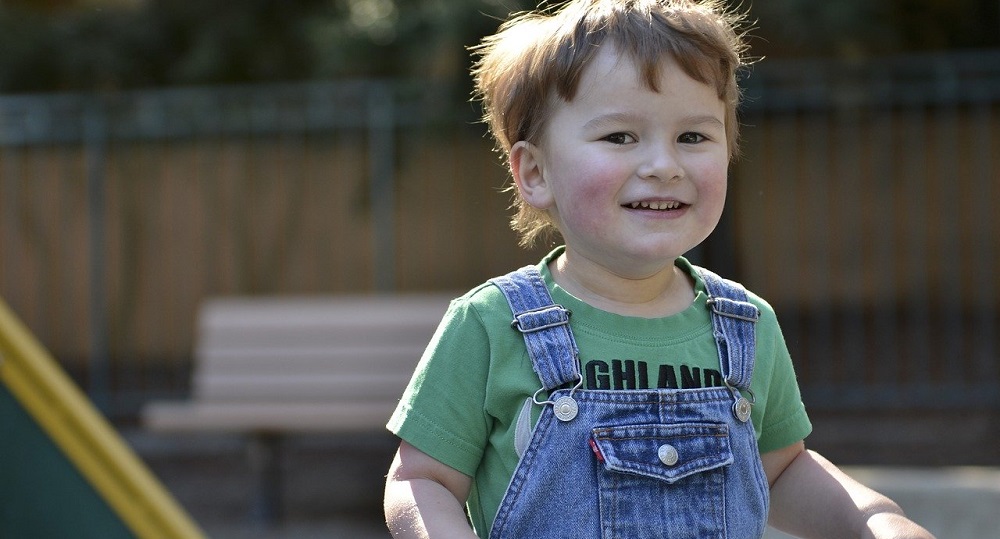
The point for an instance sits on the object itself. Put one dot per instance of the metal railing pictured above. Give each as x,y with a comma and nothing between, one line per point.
879,181
861,208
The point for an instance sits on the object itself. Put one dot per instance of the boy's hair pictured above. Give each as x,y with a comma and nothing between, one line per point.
537,56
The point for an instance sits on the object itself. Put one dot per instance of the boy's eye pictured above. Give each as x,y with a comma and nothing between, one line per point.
619,138
691,138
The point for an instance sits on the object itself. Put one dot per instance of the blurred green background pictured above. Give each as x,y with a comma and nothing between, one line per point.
101,45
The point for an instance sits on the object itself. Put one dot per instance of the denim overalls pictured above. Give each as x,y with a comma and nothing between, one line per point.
635,464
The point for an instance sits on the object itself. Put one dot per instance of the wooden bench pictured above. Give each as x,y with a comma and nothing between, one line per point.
273,366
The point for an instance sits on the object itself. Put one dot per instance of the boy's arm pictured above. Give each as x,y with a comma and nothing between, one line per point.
424,498
810,497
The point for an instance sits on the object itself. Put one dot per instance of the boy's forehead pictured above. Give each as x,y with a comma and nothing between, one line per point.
611,67
609,59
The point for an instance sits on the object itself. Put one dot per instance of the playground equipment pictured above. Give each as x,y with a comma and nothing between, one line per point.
64,471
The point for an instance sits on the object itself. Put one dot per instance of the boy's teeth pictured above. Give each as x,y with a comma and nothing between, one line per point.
664,205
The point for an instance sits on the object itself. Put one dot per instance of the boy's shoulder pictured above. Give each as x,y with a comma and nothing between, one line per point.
484,294
488,295
767,314
485,301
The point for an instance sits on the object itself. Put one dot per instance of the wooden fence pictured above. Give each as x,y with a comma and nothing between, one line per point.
862,208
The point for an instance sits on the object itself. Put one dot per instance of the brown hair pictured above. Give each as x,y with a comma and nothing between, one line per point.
536,54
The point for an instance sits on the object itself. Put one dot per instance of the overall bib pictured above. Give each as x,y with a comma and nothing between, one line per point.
634,464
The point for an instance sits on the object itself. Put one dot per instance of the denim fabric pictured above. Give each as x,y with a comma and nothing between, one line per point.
545,327
634,464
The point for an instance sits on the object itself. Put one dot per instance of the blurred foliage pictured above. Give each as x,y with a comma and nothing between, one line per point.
862,28
180,42
63,45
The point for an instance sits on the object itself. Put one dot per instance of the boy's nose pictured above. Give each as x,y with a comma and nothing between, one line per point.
661,164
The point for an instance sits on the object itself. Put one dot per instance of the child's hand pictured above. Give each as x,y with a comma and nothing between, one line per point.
894,526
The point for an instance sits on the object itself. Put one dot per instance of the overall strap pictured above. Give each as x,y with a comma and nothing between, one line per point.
733,320
544,325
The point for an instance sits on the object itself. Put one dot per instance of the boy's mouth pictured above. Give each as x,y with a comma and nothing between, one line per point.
659,205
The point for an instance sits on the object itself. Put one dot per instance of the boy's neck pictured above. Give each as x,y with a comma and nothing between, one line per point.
663,293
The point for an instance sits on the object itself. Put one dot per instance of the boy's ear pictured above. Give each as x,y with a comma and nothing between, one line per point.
529,176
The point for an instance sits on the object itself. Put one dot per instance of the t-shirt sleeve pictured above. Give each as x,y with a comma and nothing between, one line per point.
441,411
784,420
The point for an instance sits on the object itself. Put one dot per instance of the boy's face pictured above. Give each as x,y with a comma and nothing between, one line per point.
632,177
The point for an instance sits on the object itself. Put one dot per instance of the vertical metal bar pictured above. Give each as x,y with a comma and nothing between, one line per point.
10,183
984,266
850,282
916,319
784,134
381,166
95,153
947,300
885,351
822,354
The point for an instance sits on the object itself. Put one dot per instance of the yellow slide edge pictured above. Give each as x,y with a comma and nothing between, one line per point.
86,438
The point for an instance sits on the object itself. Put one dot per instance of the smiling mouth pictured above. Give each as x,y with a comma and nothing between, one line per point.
663,205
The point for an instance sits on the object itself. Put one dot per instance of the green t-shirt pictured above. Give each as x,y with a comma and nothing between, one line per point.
462,405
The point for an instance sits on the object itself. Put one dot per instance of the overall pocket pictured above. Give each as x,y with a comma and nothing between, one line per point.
663,480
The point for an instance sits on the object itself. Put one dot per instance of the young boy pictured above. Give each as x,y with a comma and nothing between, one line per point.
615,390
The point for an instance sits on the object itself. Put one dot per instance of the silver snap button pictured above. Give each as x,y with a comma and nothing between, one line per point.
668,454
565,408
742,409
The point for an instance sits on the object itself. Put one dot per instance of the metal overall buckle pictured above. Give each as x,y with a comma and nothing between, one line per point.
565,408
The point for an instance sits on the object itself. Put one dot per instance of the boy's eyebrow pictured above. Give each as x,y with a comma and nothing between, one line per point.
613,118
616,118
705,119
